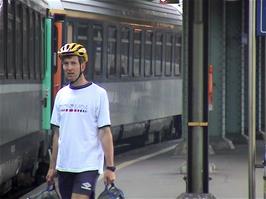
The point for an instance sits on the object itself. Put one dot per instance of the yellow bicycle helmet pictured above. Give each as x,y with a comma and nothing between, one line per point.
71,49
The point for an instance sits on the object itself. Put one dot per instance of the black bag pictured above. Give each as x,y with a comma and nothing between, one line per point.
111,192
49,193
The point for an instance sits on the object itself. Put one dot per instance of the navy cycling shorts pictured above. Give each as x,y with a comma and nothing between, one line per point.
81,183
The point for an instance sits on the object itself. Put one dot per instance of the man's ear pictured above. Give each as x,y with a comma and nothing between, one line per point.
83,66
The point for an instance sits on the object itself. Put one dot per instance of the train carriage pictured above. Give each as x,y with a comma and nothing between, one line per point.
22,72
134,53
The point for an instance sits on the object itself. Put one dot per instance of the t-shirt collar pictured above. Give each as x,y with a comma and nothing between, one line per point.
80,87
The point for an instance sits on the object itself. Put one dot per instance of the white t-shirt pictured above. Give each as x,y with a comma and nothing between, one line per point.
79,113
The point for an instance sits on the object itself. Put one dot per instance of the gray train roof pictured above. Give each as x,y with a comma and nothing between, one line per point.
137,9
38,5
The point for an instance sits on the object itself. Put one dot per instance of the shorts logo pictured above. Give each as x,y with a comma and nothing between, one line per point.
86,186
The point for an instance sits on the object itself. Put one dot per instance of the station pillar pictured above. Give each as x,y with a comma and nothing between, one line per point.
196,29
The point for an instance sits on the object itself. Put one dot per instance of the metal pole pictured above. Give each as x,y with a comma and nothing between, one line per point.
196,185
252,98
197,81
198,130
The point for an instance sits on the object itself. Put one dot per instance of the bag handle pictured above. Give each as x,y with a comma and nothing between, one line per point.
53,188
108,188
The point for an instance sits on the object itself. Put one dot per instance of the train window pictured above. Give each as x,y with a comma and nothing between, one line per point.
168,54
97,51
177,55
148,53
2,67
37,47
137,53
18,49
25,43
111,51
82,36
41,43
124,49
31,45
10,40
55,49
158,53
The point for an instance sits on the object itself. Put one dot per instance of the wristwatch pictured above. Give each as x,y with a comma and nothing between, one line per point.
111,168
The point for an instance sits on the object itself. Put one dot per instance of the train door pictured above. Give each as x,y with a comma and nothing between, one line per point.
46,83
57,69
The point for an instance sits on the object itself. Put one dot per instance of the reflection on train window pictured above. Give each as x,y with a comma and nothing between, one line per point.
97,51
82,38
82,35
124,49
37,47
25,43
18,49
158,53
148,53
177,57
31,45
136,53
41,44
2,66
21,34
168,54
10,40
54,49
111,51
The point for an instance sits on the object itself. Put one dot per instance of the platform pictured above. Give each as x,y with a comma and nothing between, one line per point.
155,172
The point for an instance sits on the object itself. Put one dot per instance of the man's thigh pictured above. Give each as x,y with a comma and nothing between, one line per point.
65,184
84,184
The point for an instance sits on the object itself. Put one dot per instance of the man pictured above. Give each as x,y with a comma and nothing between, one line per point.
81,125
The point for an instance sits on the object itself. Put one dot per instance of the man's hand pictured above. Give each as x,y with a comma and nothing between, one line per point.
50,176
109,176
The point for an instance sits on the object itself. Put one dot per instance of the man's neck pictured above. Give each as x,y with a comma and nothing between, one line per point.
80,82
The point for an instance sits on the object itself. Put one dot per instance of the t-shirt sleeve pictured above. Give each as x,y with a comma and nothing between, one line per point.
55,118
104,113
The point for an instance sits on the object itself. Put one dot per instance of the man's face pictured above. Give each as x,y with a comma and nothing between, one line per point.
71,67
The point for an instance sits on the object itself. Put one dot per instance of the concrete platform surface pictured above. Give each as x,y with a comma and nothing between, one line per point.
157,171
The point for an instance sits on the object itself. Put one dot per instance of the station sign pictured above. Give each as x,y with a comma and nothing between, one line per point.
261,18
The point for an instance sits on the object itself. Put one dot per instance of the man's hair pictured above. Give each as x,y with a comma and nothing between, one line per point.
81,59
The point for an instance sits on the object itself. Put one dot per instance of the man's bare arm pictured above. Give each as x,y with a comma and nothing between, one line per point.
107,144
108,148
52,171
54,148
